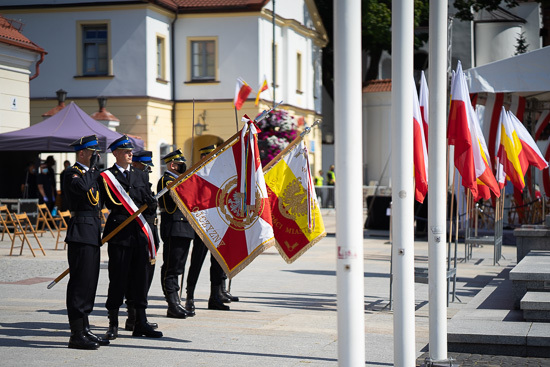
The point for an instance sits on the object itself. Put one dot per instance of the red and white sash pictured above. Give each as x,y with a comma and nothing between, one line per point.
129,204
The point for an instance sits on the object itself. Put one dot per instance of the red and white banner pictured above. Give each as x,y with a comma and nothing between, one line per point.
131,207
420,152
236,226
242,90
424,104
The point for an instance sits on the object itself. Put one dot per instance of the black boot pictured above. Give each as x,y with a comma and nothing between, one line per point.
228,295
215,302
175,309
78,339
112,331
131,320
142,328
190,307
91,335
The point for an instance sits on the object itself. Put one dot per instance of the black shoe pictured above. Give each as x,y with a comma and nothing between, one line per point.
176,311
190,307
96,339
80,341
143,329
153,325
225,293
112,332
216,304
131,320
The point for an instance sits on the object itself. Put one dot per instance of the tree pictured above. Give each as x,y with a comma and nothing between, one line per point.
465,7
521,45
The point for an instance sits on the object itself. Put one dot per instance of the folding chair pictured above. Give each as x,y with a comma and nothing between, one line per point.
44,218
62,226
21,227
7,222
104,215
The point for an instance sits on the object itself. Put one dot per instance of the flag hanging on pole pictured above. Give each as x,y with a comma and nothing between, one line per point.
491,118
509,151
242,90
531,152
420,155
225,200
471,154
297,221
423,100
262,88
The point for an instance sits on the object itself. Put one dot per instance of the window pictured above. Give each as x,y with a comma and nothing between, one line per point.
161,69
203,60
299,72
95,50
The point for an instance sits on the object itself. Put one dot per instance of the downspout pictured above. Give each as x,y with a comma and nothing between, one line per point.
173,74
38,66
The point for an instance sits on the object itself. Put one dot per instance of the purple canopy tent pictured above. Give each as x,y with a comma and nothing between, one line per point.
56,133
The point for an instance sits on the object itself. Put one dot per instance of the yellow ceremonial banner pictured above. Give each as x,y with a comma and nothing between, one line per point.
295,213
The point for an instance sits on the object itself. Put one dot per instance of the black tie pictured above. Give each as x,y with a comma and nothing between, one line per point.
126,173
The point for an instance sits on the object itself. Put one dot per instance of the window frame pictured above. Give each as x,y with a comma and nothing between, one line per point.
80,49
299,66
209,79
161,58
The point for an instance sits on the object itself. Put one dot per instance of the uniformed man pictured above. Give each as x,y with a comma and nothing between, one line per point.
128,249
143,161
84,241
217,298
176,234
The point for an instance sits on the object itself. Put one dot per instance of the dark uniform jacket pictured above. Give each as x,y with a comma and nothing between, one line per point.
172,221
137,187
84,201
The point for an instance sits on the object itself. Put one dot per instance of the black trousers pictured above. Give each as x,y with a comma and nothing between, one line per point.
84,274
174,255
128,272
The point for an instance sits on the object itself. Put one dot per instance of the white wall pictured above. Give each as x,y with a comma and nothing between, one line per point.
376,136
495,41
56,32
237,54
158,25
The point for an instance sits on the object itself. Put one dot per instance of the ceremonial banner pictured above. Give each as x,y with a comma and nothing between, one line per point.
297,221
225,200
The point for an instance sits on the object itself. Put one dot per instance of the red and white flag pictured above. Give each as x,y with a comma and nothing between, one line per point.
420,155
531,152
225,200
423,100
242,90
471,154
262,88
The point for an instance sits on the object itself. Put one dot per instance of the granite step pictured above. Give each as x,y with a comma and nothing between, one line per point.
536,306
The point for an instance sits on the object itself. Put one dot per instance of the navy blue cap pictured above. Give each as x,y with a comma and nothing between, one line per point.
86,142
175,156
121,143
143,156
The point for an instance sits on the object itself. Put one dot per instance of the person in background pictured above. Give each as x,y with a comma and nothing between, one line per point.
318,181
29,187
66,166
50,163
45,187
331,181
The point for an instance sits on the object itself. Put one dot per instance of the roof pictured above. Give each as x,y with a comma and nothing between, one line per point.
211,6
375,86
11,35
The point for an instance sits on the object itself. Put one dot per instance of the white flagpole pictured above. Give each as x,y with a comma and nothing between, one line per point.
349,192
437,211
402,182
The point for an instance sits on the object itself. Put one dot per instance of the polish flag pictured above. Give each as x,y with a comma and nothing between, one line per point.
420,152
242,90
471,154
423,100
